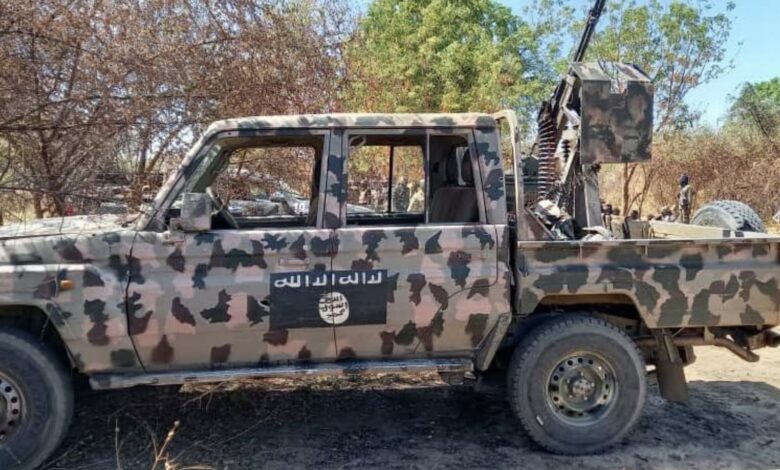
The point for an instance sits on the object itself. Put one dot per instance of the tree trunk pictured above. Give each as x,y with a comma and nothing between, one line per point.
626,186
37,205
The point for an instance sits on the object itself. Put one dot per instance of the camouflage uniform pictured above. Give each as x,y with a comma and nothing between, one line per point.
400,196
685,200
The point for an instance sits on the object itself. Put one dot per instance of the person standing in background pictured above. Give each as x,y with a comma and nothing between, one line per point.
363,197
685,199
633,215
606,216
417,202
400,196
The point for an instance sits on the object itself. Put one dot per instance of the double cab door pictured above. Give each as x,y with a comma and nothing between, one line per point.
230,298
372,256
441,288
253,290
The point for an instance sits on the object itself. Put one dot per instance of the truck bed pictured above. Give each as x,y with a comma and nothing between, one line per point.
672,282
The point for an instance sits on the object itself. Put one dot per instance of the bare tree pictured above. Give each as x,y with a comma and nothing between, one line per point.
114,91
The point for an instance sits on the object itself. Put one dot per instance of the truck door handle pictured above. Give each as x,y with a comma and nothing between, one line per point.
294,262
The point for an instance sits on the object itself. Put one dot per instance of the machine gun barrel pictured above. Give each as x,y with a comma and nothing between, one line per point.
590,27
582,47
551,116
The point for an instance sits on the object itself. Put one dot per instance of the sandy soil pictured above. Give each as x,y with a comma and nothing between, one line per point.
731,422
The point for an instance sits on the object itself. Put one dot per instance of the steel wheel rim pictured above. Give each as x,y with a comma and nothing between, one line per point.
11,407
581,389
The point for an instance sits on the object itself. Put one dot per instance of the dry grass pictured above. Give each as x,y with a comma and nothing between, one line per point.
156,428
723,165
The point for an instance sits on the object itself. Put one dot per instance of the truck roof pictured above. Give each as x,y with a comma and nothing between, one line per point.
354,120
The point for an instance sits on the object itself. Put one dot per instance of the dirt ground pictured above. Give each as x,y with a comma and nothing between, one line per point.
731,422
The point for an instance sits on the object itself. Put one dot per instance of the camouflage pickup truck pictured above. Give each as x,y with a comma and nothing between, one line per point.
451,277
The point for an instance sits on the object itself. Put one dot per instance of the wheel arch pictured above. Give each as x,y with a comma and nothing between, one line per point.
34,320
619,309
616,307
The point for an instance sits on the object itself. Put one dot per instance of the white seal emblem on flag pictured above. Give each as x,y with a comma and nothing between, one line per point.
334,308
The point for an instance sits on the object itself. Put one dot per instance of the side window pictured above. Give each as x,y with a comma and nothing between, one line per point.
389,184
453,179
386,174
272,181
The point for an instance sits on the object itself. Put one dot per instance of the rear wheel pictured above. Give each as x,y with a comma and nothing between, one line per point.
36,401
577,384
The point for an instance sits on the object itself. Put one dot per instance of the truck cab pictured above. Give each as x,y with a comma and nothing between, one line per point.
360,272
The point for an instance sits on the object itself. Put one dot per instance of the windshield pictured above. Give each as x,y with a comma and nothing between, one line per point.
199,174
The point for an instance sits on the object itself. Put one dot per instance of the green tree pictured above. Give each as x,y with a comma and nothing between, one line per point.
680,44
757,106
442,55
767,93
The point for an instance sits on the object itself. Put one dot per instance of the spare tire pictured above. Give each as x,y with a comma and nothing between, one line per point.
730,215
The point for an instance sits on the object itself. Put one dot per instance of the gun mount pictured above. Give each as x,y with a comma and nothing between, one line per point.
600,113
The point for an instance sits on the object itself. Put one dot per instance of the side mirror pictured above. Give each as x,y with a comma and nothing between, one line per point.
195,212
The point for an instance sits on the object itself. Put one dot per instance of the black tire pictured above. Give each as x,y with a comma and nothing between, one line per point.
533,375
730,215
36,400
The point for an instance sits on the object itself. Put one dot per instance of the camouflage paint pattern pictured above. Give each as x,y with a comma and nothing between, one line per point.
617,113
672,283
206,301
92,252
203,299
181,321
445,291
334,207
335,122
491,168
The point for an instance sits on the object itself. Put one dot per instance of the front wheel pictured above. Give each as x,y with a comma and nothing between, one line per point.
36,401
577,384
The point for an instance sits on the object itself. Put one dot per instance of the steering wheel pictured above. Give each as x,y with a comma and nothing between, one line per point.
222,209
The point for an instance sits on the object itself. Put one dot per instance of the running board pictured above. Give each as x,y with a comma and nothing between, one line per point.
344,368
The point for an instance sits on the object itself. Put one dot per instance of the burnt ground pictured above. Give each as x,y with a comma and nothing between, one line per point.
392,421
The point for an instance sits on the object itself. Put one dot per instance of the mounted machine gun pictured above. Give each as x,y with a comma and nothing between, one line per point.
600,113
